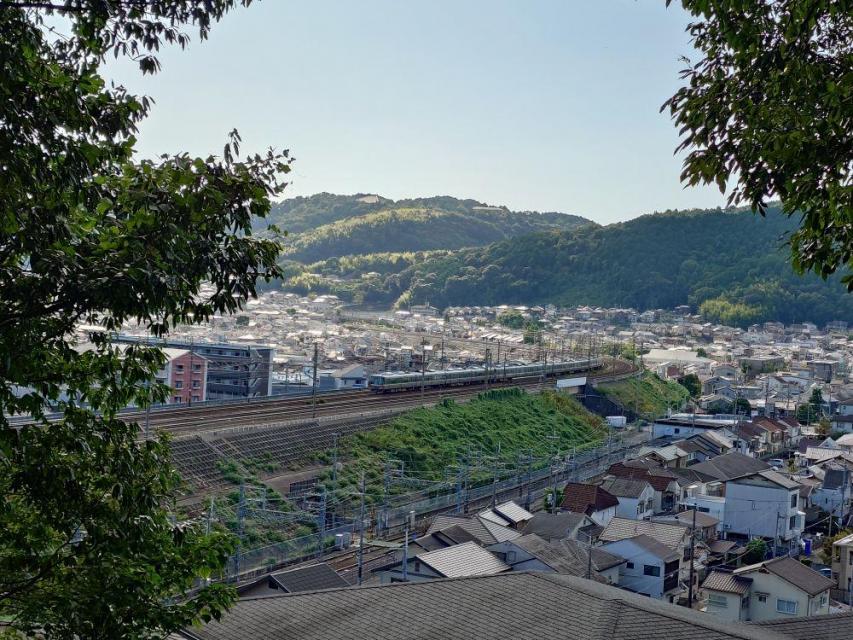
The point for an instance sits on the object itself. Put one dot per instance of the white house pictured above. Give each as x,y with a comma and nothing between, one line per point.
764,504
651,568
771,590
636,497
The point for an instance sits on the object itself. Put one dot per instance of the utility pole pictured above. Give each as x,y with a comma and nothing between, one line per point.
692,562
423,366
321,524
314,385
487,368
334,462
405,576
361,533
588,556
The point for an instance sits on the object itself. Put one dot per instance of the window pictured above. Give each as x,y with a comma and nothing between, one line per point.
179,368
677,430
630,565
793,500
651,570
196,398
786,606
762,597
196,367
179,384
718,600
196,384
178,400
792,522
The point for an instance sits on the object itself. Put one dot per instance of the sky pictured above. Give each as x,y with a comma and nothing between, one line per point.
549,105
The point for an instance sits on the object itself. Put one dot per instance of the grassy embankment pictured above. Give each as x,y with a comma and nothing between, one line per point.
649,396
493,430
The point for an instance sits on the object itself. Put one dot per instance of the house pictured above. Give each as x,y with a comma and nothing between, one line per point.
730,465
485,532
665,482
764,504
651,568
570,557
310,578
461,560
185,373
590,500
352,377
674,536
636,497
561,526
706,524
672,456
517,605
507,514
779,588
833,495
842,565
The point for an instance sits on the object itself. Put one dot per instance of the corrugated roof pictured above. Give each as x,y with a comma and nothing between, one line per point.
652,546
462,560
727,582
513,512
670,535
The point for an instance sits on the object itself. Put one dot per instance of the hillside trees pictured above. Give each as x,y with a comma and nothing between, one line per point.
766,111
89,546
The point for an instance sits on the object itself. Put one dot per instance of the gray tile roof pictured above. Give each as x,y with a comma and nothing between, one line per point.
624,487
476,527
729,466
703,520
832,627
794,572
670,534
463,560
508,605
556,525
311,578
727,582
569,557
652,546
778,478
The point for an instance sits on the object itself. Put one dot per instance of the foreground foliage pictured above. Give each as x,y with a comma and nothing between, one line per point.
767,109
89,545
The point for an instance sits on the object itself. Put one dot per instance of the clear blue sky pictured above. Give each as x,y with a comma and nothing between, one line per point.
535,104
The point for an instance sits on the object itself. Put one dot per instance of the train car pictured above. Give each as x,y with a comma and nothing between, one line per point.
392,381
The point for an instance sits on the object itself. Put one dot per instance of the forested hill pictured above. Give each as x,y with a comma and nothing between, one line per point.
326,225
732,265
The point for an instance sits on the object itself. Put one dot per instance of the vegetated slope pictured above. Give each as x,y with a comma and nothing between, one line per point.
648,396
732,265
502,425
325,225
418,229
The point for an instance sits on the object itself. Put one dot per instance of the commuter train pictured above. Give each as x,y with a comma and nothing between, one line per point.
389,381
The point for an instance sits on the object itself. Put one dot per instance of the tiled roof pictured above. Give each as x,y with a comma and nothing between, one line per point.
646,543
624,487
508,605
554,525
727,582
777,478
513,512
311,578
462,560
670,535
832,627
731,465
586,498
703,520
794,572
656,476
474,526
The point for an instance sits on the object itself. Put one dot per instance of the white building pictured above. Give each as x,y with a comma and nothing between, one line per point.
764,504
652,568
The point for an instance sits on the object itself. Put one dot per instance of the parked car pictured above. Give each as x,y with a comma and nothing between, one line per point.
776,463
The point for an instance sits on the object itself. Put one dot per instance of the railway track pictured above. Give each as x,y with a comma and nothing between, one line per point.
341,404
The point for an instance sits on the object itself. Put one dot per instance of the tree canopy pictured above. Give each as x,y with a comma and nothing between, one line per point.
91,545
768,108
